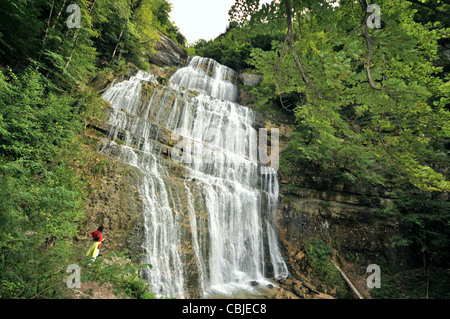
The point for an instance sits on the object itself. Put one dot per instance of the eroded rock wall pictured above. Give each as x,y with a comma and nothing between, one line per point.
115,202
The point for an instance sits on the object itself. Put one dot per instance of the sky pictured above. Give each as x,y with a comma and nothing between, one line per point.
201,19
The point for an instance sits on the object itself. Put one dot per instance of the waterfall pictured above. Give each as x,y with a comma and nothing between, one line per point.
208,77
209,211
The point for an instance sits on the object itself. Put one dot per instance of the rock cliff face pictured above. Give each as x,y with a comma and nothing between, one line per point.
115,203
208,206
343,216
248,78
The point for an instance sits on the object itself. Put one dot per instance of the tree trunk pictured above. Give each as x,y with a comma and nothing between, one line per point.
118,42
290,34
77,37
46,30
59,13
76,42
349,283
426,275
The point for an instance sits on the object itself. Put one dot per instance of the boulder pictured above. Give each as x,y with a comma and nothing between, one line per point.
248,78
168,53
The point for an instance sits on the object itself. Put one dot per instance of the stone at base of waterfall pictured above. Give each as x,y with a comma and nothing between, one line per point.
281,293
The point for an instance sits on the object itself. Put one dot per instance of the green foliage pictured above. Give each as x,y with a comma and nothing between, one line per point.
412,285
28,270
129,30
136,289
21,27
42,191
42,197
389,289
317,249
233,47
115,268
35,32
423,218
426,218
371,105
364,99
318,254
34,122
226,50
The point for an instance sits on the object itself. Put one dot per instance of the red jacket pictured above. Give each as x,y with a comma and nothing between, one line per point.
97,236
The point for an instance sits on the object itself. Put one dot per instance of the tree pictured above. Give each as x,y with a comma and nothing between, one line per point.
362,89
229,49
21,26
129,29
425,217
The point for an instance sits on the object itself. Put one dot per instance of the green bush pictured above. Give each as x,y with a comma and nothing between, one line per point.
317,249
115,268
318,254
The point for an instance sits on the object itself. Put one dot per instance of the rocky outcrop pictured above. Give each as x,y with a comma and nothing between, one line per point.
348,223
168,53
248,78
115,202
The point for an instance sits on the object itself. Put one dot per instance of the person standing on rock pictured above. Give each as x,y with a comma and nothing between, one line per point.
94,248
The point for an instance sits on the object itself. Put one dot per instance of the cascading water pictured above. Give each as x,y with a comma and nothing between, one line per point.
209,211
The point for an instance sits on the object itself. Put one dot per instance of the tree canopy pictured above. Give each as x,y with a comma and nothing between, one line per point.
366,97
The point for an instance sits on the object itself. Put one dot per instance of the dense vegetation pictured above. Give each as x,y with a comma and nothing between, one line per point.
370,104
46,61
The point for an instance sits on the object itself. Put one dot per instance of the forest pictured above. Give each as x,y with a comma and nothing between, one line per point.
369,103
